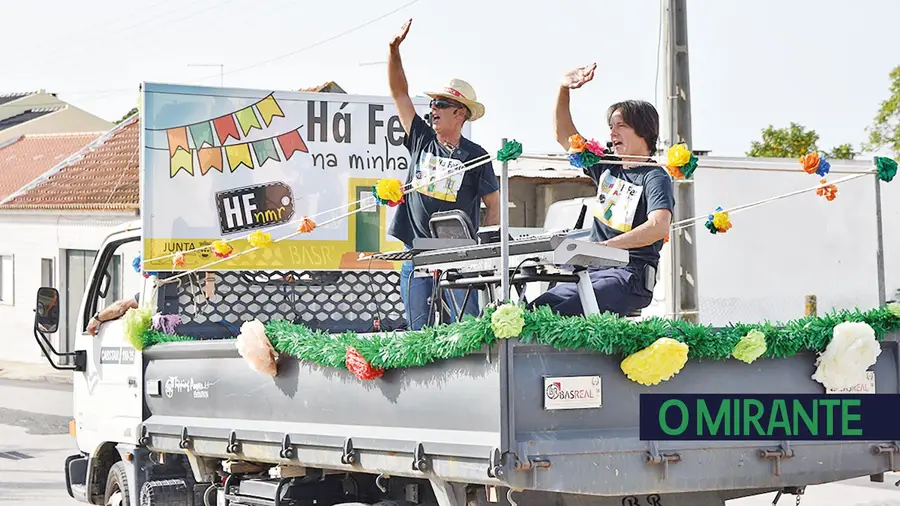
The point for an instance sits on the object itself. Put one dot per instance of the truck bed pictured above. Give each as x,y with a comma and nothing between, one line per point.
481,419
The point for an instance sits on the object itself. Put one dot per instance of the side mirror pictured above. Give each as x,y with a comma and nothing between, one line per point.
46,314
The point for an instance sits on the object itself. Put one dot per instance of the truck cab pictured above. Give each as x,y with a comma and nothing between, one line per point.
107,390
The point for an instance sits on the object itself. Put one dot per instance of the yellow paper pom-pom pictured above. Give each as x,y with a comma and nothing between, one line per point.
507,321
657,362
894,308
389,191
722,221
260,239
679,155
221,249
750,347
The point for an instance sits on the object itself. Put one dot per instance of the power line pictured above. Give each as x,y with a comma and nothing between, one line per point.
329,39
258,64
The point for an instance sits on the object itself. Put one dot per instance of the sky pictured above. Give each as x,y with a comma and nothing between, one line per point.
821,63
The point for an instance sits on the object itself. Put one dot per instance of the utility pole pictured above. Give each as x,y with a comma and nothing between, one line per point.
683,242
221,70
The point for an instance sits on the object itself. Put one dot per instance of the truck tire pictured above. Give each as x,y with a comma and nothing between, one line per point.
117,493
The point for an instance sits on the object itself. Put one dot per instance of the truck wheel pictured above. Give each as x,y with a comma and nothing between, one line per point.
117,486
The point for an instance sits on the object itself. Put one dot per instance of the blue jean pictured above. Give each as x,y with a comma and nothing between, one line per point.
619,290
416,292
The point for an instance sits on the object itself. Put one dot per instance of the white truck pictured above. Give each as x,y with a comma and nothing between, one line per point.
189,423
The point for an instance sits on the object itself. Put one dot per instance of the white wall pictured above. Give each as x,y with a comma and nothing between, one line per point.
777,253
29,237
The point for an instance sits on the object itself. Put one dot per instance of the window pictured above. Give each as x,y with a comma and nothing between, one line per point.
118,282
7,280
47,273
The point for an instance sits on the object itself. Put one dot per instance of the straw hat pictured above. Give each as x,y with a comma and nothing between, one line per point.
462,92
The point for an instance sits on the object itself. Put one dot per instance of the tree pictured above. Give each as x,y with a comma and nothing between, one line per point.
794,141
885,129
129,114
842,152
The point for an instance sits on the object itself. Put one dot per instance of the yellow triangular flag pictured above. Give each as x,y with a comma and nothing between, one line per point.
181,160
247,119
238,154
268,108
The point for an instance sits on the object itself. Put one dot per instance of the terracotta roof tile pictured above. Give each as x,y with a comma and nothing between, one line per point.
27,157
329,87
105,176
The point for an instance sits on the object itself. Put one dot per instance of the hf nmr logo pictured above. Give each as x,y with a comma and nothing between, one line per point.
749,417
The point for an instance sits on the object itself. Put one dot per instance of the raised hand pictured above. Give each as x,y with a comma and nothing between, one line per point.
578,77
401,35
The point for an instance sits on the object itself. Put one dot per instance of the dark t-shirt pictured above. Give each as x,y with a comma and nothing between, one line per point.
624,199
430,159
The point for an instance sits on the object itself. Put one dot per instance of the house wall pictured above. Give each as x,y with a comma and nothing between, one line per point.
29,237
68,120
777,253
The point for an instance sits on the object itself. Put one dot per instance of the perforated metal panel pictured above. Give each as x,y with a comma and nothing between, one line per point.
327,300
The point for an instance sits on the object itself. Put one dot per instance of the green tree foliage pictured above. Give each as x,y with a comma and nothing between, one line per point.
885,129
794,141
842,152
130,113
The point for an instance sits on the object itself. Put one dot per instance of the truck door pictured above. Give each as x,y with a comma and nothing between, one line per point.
107,396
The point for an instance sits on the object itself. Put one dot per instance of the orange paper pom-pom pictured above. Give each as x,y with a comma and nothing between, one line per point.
829,192
675,172
577,143
307,225
810,162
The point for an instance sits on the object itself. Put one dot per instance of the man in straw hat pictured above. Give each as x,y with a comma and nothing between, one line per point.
633,208
435,151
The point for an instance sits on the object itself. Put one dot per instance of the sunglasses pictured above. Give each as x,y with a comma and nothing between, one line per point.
442,103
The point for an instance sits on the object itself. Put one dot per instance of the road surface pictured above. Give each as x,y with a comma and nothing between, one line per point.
34,442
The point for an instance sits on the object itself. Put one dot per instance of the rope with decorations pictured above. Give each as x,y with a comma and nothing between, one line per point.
682,163
388,191
653,350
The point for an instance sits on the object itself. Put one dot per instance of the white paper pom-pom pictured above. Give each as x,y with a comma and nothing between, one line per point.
254,346
852,350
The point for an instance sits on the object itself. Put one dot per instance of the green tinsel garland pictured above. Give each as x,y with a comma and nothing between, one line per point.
605,333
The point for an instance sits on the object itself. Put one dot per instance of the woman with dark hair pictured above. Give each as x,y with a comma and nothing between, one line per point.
633,208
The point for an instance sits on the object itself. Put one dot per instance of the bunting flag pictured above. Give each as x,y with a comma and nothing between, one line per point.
177,139
247,119
210,158
265,150
231,125
183,159
268,108
226,128
203,135
239,154
291,142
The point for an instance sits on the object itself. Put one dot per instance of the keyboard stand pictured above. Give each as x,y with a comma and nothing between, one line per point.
586,293
491,285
